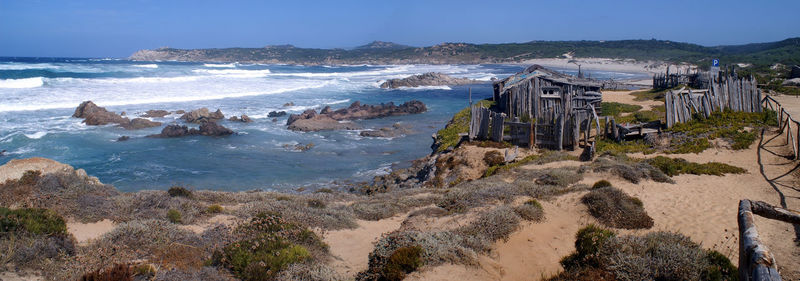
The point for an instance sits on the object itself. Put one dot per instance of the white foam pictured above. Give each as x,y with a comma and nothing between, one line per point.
36,136
425,88
220,65
239,73
19,66
152,65
22,83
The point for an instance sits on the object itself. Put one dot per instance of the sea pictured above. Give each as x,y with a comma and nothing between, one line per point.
39,95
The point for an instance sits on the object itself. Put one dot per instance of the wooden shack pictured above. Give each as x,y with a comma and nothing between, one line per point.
561,106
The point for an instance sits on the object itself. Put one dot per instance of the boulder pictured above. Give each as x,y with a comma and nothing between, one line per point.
243,119
288,104
272,114
155,113
395,130
94,115
202,115
172,131
213,129
792,82
328,119
206,129
181,111
427,79
123,138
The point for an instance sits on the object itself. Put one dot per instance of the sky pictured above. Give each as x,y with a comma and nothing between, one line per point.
110,28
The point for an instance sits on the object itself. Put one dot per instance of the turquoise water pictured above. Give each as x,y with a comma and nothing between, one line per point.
38,96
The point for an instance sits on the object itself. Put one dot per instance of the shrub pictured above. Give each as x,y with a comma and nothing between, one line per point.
614,208
627,168
493,158
719,267
655,256
531,210
214,209
559,177
30,177
448,136
677,166
316,203
489,227
404,260
179,191
120,272
268,244
174,216
601,184
588,242
615,108
32,220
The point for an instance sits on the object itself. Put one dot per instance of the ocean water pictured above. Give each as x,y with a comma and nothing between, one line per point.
38,96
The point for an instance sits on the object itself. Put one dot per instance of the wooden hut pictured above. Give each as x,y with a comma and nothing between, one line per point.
561,106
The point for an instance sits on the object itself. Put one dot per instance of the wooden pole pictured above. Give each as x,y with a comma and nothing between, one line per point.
756,262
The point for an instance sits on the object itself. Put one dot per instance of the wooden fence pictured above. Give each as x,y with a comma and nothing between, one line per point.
489,125
756,262
725,92
786,123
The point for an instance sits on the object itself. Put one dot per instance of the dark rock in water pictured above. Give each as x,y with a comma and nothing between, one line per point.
288,104
123,138
387,132
155,113
213,129
140,123
274,120
172,131
327,119
181,111
244,119
123,113
276,114
202,115
427,79
300,147
94,115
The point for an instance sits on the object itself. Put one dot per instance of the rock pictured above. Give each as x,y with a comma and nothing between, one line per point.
327,119
300,147
233,119
427,79
202,115
181,111
213,129
123,138
246,119
387,132
288,104
326,110
791,82
155,113
172,131
94,115
421,171
276,114
140,123
274,120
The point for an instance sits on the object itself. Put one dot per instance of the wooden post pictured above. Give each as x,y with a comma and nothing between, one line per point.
560,142
756,263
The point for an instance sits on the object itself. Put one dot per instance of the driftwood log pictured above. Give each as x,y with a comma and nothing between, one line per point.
756,262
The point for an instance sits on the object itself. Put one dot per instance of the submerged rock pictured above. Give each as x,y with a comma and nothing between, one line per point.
395,130
94,115
123,138
328,119
155,113
206,129
202,115
427,79
276,114
244,119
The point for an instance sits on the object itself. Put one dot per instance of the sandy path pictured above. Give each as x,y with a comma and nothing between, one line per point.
626,97
84,232
351,247
790,103
15,168
622,65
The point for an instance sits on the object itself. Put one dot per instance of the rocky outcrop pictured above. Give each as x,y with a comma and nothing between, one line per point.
427,79
273,114
395,130
94,115
202,115
422,170
328,119
243,119
157,113
206,129
791,82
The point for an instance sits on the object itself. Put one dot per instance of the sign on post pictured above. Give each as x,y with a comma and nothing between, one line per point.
714,67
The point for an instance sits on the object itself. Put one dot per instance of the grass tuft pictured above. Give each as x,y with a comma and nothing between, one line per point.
614,208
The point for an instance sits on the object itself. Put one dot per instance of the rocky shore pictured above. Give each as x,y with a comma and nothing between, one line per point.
94,115
328,119
427,79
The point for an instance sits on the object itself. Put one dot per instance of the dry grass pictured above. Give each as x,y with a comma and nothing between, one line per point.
627,168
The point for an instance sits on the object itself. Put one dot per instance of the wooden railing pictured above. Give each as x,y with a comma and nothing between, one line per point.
756,262
786,123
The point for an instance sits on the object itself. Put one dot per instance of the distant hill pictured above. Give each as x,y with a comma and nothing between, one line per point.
785,52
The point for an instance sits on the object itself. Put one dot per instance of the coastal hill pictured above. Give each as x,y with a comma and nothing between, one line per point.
786,52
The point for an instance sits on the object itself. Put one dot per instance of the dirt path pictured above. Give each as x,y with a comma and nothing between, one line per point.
626,97
351,247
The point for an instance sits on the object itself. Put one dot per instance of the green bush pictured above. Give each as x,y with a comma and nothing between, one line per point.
404,260
214,209
601,184
32,220
677,166
614,208
179,191
267,245
588,242
719,268
174,216
615,108
448,136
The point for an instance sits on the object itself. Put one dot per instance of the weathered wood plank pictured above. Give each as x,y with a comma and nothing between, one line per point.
756,263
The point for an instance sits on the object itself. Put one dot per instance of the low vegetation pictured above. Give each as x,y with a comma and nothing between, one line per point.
546,156
615,108
448,136
614,208
677,166
601,254
531,210
630,169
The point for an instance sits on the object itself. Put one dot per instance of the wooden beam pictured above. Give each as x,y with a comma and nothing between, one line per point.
756,262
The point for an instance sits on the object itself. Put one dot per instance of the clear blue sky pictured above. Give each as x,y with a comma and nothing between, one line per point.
110,28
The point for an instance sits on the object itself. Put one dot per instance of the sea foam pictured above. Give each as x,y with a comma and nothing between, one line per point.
22,83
